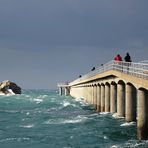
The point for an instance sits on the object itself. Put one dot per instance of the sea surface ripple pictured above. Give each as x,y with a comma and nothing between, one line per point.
43,119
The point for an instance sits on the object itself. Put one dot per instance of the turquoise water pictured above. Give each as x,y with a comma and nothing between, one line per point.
43,119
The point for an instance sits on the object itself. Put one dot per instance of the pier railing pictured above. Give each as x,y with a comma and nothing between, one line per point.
139,69
63,84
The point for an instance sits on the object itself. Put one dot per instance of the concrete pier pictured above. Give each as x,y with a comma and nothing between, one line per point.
64,89
115,89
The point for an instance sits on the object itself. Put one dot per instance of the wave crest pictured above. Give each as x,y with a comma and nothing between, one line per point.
77,119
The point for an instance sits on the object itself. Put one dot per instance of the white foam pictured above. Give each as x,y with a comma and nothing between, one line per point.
10,90
115,115
79,99
9,111
128,124
27,126
14,139
105,137
114,146
44,96
104,113
38,100
72,121
10,93
94,114
66,104
82,101
27,113
132,144
2,94
77,119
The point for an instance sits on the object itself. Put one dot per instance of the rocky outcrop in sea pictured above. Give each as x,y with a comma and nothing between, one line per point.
9,88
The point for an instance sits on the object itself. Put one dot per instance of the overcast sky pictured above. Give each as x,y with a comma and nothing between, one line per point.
43,42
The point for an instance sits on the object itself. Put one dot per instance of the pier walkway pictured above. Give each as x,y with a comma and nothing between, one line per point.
116,87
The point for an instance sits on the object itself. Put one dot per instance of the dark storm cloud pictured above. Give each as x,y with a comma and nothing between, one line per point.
96,23
46,41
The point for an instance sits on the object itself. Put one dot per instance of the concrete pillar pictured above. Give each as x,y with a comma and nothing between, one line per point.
98,98
67,92
92,94
102,98
60,91
142,123
107,98
89,95
95,96
86,100
113,98
86,93
121,100
130,102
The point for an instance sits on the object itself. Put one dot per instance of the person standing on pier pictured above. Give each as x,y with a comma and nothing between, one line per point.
118,58
127,59
118,62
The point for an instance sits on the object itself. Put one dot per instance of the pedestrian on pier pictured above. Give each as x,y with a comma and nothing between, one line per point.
127,59
93,69
118,62
118,58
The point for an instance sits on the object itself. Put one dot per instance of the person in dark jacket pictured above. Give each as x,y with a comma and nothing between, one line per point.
127,58
93,69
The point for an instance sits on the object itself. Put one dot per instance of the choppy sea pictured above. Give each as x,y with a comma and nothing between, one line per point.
43,119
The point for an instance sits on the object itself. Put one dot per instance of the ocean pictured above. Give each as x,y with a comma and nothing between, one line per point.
44,119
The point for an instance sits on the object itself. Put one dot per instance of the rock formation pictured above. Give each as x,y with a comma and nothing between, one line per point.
8,87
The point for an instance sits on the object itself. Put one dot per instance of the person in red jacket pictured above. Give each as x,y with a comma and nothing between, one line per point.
118,58
118,62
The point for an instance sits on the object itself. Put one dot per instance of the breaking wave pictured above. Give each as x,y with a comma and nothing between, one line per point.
77,119
128,124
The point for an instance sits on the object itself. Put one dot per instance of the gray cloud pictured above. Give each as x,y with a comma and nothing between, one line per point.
64,38
92,23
